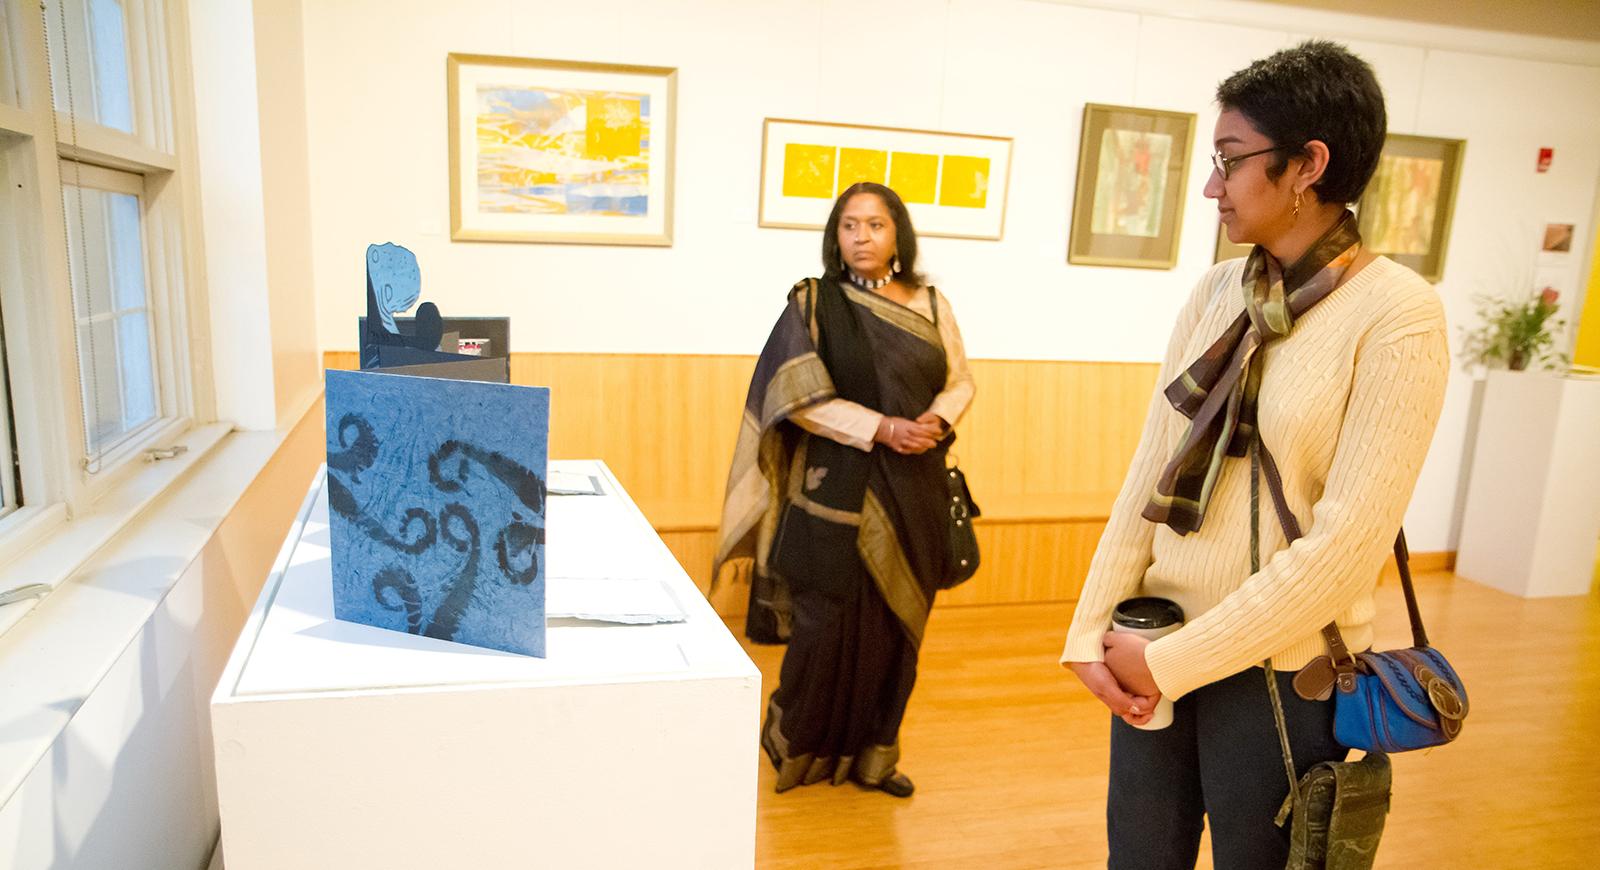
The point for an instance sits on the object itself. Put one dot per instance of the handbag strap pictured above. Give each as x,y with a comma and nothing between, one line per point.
1283,741
1289,802
1342,658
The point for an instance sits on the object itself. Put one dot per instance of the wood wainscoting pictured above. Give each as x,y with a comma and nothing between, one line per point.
1044,446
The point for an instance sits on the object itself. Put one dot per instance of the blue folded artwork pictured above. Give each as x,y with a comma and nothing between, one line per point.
436,497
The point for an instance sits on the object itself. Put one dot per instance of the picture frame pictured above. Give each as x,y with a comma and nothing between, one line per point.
1557,238
560,151
954,184
1133,171
1406,211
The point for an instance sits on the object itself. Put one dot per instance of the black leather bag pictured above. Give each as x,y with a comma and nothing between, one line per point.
962,551
963,547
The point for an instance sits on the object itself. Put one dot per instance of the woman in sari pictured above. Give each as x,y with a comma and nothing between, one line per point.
835,507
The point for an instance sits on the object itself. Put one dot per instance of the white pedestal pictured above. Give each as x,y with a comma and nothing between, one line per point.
1533,513
343,745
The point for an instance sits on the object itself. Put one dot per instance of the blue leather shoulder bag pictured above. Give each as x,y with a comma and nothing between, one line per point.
1391,701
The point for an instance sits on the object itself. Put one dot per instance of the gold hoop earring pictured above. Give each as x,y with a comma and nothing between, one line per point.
1296,215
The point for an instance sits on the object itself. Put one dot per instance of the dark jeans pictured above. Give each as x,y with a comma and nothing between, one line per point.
1219,760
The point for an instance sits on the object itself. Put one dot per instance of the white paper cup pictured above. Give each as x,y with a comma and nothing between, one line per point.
1150,618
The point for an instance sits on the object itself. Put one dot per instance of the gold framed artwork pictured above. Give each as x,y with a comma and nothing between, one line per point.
953,184
1408,205
1133,166
560,151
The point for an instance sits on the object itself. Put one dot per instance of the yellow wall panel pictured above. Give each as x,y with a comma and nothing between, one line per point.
1587,351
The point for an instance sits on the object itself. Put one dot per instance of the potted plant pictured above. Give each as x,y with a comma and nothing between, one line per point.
1515,333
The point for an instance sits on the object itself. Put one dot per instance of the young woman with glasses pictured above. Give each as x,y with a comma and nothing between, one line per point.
1337,360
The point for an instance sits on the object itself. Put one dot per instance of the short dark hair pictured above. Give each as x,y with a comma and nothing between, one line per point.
1317,90
905,238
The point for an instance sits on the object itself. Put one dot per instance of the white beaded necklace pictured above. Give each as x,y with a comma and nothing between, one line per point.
865,284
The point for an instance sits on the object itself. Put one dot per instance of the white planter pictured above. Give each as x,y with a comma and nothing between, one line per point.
1533,513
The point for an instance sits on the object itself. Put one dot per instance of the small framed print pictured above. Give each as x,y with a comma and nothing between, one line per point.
1132,169
1408,205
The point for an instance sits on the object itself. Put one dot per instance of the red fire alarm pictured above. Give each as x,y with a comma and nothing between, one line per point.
1544,158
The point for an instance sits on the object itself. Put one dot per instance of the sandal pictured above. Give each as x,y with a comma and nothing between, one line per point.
897,784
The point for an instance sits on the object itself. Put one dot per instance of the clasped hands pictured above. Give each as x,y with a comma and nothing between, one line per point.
911,436
1123,681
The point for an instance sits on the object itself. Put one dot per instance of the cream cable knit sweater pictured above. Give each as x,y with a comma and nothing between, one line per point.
1348,405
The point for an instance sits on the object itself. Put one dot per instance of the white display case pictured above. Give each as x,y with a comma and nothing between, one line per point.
344,745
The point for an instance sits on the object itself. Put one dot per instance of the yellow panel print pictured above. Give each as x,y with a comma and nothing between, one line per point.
965,183
861,164
914,176
613,127
808,170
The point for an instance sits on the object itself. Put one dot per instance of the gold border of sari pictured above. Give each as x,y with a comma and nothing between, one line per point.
875,763
890,569
895,314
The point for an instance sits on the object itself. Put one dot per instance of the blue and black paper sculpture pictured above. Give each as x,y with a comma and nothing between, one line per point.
436,498
394,284
436,479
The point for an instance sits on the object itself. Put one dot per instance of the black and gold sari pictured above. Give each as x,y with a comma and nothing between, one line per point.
843,547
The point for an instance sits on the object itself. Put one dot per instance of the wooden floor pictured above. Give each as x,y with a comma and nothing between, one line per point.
1009,753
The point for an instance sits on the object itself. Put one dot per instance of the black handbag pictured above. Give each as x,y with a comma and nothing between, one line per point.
962,550
963,547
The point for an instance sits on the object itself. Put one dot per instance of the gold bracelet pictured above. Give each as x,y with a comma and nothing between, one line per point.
891,430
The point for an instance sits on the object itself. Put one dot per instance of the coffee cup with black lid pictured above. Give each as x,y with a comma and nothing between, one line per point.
1150,617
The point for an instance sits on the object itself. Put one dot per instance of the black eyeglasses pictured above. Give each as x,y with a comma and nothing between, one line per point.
1223,164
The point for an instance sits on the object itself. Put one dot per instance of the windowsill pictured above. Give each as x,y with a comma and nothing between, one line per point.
67,545
112,569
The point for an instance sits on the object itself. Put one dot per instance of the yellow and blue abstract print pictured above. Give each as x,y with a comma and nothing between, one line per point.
554,151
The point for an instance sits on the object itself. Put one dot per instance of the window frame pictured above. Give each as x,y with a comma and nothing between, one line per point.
49,438
9,91
10,465
158,299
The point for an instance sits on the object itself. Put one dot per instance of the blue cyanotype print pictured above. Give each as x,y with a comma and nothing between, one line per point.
436,498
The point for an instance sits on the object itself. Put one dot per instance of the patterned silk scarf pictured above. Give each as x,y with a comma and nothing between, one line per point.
1218,392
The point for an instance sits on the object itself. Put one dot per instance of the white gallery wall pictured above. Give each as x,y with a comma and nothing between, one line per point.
376,136
250,145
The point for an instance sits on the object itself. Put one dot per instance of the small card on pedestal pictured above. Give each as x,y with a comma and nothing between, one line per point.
436,497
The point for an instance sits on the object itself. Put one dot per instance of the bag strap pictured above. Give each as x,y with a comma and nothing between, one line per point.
1289,802
1293,798
933,302
1342,658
